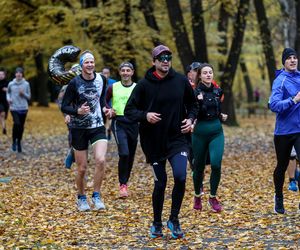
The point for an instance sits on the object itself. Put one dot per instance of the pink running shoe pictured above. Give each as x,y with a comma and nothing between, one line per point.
123,190
197,203
215,204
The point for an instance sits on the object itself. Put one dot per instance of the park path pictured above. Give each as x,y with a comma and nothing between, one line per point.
37,207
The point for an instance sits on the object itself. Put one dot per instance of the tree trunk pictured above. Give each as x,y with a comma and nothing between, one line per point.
146,7
287,22
199,31
266,39
232,62
181,37
42,80
223,41
248,86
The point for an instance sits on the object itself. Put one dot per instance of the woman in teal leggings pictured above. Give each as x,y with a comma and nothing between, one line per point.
208,137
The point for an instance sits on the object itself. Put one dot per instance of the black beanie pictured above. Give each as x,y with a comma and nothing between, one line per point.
288,52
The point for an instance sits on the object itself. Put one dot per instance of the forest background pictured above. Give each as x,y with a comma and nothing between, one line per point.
243,39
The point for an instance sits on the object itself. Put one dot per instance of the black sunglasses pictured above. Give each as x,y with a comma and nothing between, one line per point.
163,58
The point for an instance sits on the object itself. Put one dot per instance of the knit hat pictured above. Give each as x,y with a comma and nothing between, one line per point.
19,70
288,52
84,56
160,49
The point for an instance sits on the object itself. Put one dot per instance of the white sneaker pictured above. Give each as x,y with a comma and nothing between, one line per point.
98,203
82,204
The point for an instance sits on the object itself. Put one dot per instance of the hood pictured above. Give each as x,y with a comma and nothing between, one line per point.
18,82
149,75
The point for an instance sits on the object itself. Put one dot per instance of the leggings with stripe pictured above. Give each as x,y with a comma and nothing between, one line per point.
179,164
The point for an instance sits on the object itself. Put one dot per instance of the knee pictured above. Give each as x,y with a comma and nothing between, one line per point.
100,161
180,179
160,184
82,169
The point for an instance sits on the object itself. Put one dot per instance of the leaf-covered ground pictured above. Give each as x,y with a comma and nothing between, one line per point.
37,207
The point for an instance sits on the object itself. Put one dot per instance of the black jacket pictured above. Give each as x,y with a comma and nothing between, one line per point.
174,99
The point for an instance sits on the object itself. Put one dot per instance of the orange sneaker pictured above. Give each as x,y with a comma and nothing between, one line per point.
123,190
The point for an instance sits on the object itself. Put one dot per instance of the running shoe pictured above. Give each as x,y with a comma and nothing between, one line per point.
293,186
19,147
123,190
197,203
215,204
69,159
175,228
97,202
82,204
156,230
278,205
14,147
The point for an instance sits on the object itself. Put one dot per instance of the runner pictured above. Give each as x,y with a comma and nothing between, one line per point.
85,100
165,105
17,95
3,101
284,101
208,137
125,131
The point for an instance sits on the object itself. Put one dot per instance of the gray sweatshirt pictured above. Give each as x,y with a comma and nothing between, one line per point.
16,100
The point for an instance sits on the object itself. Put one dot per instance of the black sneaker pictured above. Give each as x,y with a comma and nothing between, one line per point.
278,205
175,228
156,230
19,147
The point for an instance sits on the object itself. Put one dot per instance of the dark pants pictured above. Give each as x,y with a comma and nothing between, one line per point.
126,137
18,125
283,148
178,163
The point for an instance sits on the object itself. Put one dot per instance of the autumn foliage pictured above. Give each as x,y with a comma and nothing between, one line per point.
37,206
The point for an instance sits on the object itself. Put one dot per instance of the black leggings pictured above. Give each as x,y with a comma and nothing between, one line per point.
178,163
18,126
126,138
283,148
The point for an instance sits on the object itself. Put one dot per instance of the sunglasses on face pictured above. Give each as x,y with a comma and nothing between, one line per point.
163,58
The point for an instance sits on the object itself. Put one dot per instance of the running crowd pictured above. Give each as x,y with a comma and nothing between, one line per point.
178,118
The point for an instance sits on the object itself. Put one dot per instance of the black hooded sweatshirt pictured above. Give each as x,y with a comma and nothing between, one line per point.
174,99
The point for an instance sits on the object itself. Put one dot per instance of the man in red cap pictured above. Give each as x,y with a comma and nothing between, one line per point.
164,104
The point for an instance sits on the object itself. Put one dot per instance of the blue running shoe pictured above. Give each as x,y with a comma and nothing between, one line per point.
175,228
156,230
14,147
69,159
293,186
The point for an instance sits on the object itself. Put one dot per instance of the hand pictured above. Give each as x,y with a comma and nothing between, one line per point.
200,96
187,126
297,97
153,117
67,119
21,92
224,117
193,125
84,109
109,112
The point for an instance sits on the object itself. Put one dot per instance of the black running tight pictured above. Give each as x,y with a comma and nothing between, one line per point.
283,148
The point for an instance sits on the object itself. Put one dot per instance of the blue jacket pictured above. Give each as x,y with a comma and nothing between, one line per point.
285,86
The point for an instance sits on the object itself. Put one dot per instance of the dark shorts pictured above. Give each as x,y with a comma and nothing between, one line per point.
3,108
82,137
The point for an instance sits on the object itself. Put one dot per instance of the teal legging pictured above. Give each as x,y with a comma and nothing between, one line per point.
207,138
